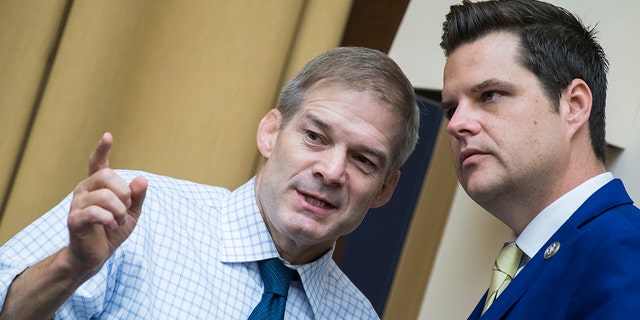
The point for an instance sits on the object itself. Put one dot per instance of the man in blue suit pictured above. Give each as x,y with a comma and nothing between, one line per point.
524,91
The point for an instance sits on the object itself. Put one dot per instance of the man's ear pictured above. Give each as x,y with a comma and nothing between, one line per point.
578,98
387,190
268,132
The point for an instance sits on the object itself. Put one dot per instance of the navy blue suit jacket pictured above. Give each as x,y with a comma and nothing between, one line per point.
595,273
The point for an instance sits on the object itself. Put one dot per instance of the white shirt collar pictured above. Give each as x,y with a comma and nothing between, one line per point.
549,220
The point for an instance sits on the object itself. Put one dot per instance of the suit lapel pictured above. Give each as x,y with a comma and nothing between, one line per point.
610,195
527,276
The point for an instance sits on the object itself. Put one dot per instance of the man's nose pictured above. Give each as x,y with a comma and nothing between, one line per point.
331,166
463,121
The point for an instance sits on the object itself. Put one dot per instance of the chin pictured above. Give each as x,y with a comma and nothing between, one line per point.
303,233
479,192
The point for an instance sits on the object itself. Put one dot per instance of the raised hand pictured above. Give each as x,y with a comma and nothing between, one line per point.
104,211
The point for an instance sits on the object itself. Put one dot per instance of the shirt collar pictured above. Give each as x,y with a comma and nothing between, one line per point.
549,220
315,277
244,237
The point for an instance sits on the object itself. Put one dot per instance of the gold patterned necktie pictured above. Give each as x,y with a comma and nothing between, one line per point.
504,269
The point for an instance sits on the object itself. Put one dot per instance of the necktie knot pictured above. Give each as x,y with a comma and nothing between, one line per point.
504,269
276,276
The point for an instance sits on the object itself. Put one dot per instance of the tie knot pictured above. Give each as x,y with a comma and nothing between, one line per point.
276,276
509,258
504,269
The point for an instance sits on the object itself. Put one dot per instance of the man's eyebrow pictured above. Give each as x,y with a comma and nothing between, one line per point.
318,122
492,84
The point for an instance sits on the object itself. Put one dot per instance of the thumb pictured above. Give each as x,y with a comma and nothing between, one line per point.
138,189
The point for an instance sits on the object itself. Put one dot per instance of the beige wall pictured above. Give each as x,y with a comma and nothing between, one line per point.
181,85
29,34
624,163
472,237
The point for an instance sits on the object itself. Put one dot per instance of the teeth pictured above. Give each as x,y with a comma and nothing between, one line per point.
315,202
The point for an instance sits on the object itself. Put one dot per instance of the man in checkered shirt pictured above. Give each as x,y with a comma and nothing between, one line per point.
134,245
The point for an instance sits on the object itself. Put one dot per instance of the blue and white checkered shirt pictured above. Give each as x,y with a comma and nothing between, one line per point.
192,256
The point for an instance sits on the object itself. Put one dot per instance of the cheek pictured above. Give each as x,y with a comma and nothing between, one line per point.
287,159
454,146
533,134
354,219
361,197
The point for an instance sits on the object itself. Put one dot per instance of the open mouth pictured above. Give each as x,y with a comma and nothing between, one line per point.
317,202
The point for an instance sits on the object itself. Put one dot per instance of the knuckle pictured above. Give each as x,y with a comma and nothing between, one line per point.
104,173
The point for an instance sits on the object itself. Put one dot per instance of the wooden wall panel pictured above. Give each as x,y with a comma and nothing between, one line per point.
374,23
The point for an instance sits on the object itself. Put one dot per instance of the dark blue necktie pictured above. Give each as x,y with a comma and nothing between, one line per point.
276,277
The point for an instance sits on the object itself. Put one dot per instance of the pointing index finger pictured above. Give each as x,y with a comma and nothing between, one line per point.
100,157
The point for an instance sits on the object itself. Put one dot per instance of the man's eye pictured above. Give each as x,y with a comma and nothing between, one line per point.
364,160
489,96
312,135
